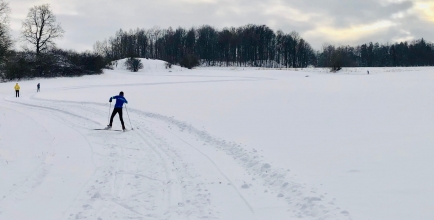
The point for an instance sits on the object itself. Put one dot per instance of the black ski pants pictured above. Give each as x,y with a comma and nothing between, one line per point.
117,110
17,93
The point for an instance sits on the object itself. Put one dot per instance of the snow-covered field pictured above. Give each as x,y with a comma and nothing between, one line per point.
221,143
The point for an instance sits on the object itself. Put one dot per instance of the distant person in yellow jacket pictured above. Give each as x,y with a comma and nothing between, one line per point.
17,90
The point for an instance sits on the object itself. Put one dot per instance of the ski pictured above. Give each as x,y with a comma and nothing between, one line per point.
105,129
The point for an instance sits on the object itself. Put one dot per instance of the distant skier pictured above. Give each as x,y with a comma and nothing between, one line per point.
368,72
38,87
17,90
120,100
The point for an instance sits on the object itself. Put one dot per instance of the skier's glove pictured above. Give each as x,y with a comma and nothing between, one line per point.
110,100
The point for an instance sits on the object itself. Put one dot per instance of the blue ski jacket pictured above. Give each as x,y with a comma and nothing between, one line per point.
120,100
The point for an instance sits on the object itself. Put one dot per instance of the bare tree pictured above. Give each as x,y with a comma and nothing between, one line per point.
103,48
40,28
5,38
133,64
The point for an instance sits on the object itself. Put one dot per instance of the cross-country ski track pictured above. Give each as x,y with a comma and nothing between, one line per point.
145,173
220,143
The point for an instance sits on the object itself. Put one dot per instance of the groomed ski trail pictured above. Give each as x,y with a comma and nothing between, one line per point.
167,169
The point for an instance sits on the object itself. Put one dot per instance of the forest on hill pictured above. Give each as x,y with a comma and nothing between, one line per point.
257,46
246,46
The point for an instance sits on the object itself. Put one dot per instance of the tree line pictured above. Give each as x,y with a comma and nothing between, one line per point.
250,45
40,30
246,46
403,54
257,46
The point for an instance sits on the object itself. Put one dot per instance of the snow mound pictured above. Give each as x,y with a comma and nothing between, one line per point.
149,65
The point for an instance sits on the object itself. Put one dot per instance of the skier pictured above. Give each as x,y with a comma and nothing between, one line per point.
368,72
38,87
120,100
17,90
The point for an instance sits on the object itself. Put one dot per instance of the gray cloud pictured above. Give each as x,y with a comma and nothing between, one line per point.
318,21
349,12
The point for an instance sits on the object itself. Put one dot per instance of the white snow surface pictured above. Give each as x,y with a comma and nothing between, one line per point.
220,143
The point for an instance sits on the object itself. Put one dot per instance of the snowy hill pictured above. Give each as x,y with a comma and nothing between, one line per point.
220,143
149,65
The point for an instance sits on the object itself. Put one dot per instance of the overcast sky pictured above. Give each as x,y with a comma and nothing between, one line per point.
340,22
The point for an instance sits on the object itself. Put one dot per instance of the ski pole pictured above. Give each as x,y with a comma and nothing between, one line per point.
110,108
129,117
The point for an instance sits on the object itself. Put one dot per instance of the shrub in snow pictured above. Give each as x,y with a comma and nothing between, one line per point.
133,64
189,61
168,65
52,63
15,68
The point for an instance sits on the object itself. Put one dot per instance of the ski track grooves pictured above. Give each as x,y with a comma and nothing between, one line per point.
166,83
216,166
302,202
36,175
118,181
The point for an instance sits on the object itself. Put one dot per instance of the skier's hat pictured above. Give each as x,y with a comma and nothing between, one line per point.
121,93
